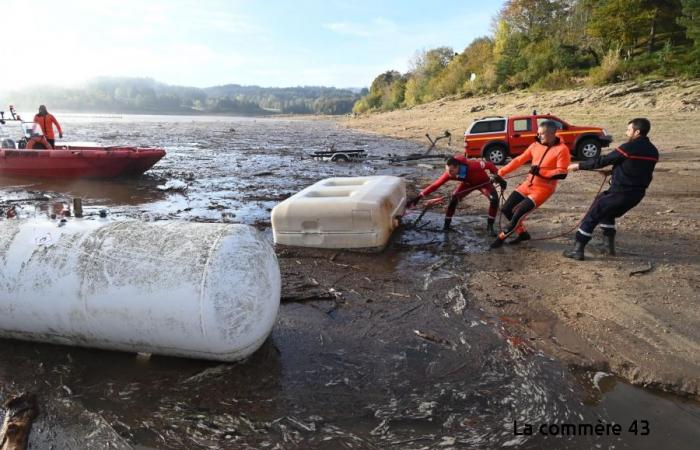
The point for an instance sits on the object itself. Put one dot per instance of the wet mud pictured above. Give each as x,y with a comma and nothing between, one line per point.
371,350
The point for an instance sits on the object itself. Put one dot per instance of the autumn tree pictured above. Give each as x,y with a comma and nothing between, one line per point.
425,66
550,44
633,24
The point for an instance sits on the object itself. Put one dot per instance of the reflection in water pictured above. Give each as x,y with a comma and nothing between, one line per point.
101,192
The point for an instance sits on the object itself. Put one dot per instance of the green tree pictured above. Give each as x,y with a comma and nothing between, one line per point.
360,106
691,21
633,24
381,91
397,94
617,23
414,92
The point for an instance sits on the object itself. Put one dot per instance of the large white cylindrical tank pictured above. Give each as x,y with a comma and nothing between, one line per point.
199,290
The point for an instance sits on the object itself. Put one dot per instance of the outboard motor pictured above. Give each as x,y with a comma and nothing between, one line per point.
8,143
5,142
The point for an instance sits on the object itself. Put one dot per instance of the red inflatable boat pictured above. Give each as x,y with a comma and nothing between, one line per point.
31,156
68,161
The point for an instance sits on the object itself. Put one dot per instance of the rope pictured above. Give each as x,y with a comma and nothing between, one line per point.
578,224
545,238
438,200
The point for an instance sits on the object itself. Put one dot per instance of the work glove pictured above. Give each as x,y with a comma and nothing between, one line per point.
413,201
501,182
535,170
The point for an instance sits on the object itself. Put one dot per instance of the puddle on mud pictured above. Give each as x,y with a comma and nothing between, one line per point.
400,358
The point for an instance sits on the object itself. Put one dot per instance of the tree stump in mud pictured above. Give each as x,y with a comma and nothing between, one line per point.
20,412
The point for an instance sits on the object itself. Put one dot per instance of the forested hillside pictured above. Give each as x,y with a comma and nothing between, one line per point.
553,44
144,95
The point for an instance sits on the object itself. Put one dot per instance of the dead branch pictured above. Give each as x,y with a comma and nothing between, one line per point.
21,411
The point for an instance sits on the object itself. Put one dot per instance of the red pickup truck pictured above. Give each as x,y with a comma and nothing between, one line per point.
496,138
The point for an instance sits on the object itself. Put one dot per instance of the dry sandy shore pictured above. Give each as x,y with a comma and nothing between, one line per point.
596,313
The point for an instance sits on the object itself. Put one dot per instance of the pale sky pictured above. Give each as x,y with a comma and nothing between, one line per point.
211,42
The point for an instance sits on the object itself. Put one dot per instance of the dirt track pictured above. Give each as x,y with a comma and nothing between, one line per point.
643,327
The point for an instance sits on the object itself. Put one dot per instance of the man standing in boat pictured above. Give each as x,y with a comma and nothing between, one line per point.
46,121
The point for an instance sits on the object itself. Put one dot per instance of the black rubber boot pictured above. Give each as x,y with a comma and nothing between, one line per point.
498,243
609,243
577,252
522,237
489,228
448,224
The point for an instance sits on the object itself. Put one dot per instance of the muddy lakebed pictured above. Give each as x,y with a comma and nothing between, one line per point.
371,350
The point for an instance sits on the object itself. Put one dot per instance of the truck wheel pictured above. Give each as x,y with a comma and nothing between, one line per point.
497,154
587,149
340,158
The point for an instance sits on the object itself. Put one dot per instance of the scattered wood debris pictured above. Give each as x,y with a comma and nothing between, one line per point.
649,268
433,338
21,411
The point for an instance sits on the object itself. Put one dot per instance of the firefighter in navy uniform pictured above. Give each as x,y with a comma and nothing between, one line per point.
633,165
472,176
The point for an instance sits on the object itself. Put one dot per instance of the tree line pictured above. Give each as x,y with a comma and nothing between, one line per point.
145,95
552,44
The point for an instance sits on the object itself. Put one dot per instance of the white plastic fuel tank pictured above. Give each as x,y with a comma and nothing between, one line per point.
357,212
198,290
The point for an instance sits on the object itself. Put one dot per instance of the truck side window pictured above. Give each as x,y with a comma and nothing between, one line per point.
556,122
488,126
522,125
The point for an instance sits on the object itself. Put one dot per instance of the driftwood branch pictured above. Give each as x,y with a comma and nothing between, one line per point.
649,268
21,411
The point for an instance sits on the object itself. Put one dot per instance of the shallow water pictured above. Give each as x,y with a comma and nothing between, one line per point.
234,168
411,365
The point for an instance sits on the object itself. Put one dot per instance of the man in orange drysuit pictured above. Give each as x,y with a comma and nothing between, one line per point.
46,121
473,176
549,158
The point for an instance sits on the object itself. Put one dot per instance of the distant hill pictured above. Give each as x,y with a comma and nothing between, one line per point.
145,95
291,100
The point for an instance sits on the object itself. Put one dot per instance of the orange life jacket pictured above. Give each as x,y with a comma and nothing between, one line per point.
553,162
